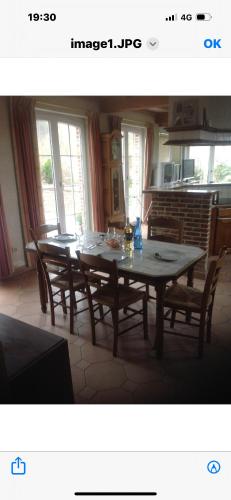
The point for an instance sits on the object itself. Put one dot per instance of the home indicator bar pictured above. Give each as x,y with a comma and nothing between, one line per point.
116,493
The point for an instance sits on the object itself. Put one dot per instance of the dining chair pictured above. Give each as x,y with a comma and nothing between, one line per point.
166,229
117,224
187,301
111,294
39,231
66,279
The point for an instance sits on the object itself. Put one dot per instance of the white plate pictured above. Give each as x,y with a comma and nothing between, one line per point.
166,256
65,237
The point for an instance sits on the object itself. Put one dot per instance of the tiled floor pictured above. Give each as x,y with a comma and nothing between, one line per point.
136,376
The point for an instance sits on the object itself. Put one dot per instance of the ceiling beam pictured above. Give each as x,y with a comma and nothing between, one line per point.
116,104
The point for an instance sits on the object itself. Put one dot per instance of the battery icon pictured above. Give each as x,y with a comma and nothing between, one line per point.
203,16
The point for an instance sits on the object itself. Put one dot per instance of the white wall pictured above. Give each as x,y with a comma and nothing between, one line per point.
8,187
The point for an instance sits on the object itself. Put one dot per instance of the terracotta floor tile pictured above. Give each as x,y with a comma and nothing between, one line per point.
78,379
74,354
105,375
94,354
129,386
87,393
83,364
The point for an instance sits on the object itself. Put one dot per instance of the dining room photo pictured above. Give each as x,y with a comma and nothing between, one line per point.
115,243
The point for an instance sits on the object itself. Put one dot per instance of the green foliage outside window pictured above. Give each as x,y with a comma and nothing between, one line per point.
222,173
46,172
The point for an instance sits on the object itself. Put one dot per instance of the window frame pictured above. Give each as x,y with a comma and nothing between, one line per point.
126,128
53,118
211,161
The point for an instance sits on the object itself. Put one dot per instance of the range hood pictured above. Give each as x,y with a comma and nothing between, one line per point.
198,136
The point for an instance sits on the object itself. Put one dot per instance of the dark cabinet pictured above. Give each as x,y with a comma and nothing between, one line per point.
220,229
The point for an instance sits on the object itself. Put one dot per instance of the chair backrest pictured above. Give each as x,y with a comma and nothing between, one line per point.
120,225
43,229
212,277
91,265
165,229
52,256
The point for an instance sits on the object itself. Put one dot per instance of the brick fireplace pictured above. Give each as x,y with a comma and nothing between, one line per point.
194,208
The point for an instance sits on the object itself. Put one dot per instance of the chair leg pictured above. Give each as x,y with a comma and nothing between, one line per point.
173,318
126,283
72,303
52,314
209,325
51,306
147,291
91,311
188,317
63,298
101,313
145,318
115,320
201,337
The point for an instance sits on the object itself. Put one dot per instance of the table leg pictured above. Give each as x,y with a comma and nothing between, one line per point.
159,340
190,276
189,283
42,287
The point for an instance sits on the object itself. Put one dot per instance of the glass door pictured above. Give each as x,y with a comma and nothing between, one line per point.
62,152
133,167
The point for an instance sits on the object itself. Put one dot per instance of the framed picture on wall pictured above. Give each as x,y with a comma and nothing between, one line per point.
185,113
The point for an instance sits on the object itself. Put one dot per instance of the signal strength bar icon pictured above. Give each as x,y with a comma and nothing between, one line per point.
173,17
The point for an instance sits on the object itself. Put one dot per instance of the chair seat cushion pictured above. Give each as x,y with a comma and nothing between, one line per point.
106,295
52,269
183,297
62,282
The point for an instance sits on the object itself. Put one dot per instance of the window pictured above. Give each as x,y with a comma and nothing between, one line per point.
201,155
62,155
212,163
222,164
133,167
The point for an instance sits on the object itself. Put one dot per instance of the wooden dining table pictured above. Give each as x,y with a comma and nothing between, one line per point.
157,264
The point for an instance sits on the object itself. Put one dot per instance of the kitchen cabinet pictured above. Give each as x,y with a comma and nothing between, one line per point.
220,229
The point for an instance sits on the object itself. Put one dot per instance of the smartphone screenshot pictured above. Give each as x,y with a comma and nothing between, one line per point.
115,244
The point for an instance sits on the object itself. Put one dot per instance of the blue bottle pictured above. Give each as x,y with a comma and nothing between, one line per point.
138,242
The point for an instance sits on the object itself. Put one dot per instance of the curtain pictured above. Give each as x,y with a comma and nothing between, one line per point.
148,170
96,172
24,139
6,266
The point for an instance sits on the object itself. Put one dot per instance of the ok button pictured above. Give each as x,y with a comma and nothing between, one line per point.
212,43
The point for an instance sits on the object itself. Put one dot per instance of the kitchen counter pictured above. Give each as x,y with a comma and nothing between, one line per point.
179,190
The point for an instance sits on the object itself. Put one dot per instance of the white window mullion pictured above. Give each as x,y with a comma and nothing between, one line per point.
58,173
126,170
211,163
86,174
